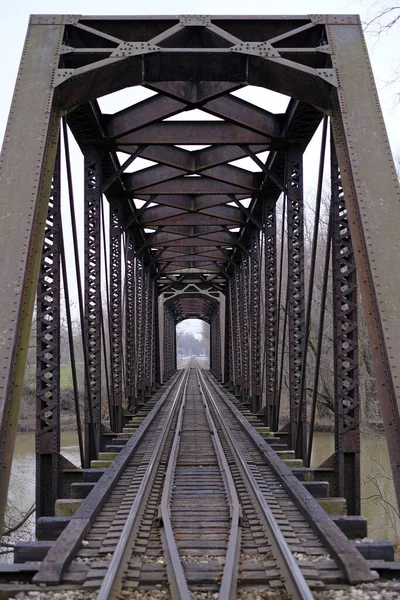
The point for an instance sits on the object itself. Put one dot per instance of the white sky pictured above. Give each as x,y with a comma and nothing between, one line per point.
384,52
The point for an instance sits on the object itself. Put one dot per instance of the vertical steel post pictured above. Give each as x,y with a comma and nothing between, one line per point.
296,308
255,324
140,320
345,334
244,323
169,342
130,324
25,182
372,191
92,300
229,361
147,341
271,314
215,339
116,314
237,315
48,460
156,341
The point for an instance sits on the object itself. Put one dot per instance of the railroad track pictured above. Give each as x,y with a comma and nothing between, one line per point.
200,510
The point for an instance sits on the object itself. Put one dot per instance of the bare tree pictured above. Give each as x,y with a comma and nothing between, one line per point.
386,17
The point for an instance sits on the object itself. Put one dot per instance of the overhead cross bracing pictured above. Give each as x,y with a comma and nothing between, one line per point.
195,234
193,198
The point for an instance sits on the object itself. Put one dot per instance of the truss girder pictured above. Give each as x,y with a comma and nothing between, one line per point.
48,459
271,315
130,325
255,314
296,291
201,214
93,306
345,331
116,358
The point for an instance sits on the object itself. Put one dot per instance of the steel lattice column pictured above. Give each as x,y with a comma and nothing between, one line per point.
169,342
130,324
155,337
237,316
116,315
92,302
255,312
345,331
140,304
215,341
296,316
244,296
271,314
229,364
48,460
148,330
229,358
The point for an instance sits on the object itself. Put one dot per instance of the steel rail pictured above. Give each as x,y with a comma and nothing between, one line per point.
354,565
112,582
176,576
228,586
294,580
67,544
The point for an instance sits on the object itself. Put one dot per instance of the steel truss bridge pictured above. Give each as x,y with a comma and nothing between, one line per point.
209,239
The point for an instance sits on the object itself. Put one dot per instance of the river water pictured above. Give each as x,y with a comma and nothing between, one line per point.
377,491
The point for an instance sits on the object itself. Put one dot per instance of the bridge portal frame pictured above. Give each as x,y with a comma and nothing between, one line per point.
366,167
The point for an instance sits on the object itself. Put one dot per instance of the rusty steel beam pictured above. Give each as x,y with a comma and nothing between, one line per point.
296,294
193,132
193,92
217,239
185,77
226,173
271,315
93,308
25,185
48,405
192,219
363,151
255,322
116,358
193,202
166,216
189,185
165,155
160,107
130,324
140,115
245,114
347,473
216,155
193,161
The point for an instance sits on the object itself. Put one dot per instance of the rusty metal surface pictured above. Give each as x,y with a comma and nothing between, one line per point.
93,306
202,216
24,190
345,333
372,200
116,358
296,293
48,405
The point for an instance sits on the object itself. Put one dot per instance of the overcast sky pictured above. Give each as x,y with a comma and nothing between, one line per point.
384,51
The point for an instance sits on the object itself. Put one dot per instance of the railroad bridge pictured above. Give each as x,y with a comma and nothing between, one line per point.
212,226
